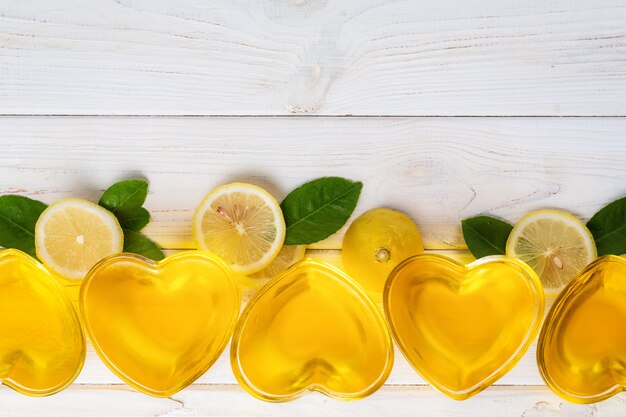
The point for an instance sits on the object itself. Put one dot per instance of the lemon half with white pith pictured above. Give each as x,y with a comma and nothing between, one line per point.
555,244
288,255
72,235
241,223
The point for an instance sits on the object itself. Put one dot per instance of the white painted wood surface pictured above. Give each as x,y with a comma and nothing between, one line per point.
331,57
230,400
118,60
438,170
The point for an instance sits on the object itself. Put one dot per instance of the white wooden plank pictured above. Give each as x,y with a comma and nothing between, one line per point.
558,57
233,401
438,170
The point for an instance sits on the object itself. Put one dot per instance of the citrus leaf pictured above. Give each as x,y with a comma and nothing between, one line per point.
138,243
18,216
125,198
608,227
485,235
318,209
137,220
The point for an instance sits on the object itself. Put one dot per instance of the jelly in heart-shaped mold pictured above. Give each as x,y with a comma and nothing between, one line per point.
42,347
159,326
311,329
463,327
582,346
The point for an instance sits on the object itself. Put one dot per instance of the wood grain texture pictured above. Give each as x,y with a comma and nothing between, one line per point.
437,170
231,400
317,58
323,57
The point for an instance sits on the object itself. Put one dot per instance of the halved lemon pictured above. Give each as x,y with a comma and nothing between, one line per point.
555,244
72,235
242,224
288,255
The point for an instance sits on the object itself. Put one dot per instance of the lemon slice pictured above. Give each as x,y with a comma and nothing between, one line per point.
242,224
377,242
72,235
288,255
555,244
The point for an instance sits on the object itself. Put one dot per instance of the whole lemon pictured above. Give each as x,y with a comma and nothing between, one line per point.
375,243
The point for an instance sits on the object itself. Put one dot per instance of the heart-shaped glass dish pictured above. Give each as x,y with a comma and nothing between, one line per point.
42,347
582,346
462,327
160,325
311,329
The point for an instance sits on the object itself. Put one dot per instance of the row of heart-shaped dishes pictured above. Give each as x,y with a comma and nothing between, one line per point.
159,326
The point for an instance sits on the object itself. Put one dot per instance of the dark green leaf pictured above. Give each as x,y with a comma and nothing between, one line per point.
138,243
485,235
318,209
18,216
608,227
125,198
137,220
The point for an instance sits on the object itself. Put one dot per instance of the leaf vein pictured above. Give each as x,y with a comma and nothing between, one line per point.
322,207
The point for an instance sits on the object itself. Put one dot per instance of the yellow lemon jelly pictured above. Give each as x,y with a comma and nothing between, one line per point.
582,345
42,347
311,329
160,325
463,327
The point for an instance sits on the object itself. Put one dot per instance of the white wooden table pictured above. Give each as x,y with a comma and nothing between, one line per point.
445,109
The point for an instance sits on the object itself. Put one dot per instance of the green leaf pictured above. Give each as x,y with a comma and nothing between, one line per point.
18,216
137,220
608,227
138,243
124,199
485,235
318,209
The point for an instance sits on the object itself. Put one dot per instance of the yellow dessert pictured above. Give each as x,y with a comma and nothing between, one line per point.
463,327
582,345
160,325
311,329
42,347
